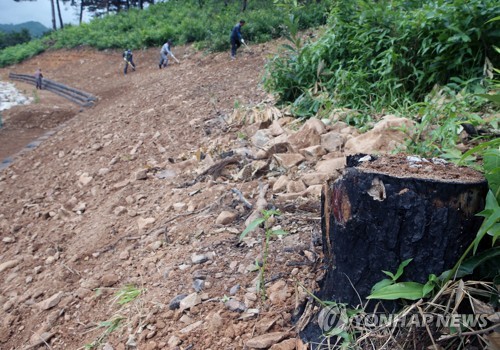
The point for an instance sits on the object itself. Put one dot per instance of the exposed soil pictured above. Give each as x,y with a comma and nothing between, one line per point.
86,213
149,190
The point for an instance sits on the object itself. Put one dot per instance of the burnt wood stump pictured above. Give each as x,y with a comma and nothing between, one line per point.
383,211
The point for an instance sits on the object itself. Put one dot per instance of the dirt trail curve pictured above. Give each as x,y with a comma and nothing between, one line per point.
84,215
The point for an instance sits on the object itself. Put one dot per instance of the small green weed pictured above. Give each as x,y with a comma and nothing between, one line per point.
36,97
127,294
266,217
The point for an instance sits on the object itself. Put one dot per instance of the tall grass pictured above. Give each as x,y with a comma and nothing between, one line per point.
380,55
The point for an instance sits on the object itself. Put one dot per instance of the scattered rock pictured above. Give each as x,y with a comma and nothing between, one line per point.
295,186
234,289
180,206
199,258
289,160
124,255
235,305
330,166
305,137
85,179
51,302
281,183
109,280
385,136
316,125
189,301
8,265
174,341
289,344
261,138
266,340
332,141
191,327
198,285
141,174
175,302
313,153
143,223
131,342
39,339
226,218
119,210
315,178
275,129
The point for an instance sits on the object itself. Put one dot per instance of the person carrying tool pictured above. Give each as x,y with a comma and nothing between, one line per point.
164,52
38,78
128,58
236,39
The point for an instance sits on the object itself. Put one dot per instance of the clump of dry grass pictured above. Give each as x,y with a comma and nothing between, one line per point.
462,315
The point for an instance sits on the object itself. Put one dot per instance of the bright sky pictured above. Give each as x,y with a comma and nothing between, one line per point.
12,12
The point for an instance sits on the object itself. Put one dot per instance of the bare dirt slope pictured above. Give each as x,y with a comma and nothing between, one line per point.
93,209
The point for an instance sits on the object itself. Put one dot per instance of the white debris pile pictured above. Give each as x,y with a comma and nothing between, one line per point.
10,96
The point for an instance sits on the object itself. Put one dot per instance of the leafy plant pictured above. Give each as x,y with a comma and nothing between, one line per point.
269,233
375,56
391,289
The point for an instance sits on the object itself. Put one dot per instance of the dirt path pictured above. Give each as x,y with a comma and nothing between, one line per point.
87,213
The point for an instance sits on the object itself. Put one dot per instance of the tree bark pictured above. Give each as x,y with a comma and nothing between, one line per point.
373,220
61,25
81,11
53,15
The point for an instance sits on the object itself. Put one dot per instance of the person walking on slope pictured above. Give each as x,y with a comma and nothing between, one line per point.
38,78
128,58
236,39
166,50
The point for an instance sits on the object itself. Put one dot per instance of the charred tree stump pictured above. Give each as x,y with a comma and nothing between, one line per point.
384,211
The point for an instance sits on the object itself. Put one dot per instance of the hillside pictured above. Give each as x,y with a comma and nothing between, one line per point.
35,29
87,212
121,230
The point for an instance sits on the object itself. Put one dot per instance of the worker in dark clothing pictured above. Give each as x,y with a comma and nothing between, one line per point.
38,78
128,58
236,39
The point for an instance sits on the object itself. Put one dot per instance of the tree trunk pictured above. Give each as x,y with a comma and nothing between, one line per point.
244,6
53,15
81,12
61,25
382,212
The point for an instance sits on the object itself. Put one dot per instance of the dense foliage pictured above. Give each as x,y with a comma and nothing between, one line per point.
181,21
14,38
388,54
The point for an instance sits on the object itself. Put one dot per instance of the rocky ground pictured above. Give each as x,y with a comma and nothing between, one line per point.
121,230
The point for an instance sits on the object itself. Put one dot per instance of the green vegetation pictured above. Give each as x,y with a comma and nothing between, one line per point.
125,296
267,219
387,55
181,21
14,38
